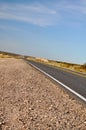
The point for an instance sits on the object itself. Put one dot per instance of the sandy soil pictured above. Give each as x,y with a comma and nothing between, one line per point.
30,101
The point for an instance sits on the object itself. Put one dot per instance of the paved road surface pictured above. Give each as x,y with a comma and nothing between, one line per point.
73,81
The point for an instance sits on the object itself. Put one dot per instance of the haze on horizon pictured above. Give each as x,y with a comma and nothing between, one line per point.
52,29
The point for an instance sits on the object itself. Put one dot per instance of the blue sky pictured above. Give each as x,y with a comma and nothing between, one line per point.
53,29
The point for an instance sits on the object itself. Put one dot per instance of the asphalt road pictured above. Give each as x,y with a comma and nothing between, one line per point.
74,81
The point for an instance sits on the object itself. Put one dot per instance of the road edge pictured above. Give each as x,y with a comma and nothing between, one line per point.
65,86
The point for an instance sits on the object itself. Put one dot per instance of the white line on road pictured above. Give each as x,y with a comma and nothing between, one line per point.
65,86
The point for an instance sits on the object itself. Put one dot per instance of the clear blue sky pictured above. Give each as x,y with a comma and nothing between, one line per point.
53,29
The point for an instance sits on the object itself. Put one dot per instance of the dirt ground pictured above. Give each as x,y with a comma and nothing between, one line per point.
30,101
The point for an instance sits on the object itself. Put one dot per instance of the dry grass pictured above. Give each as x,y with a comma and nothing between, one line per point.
70,66
5,56
9,55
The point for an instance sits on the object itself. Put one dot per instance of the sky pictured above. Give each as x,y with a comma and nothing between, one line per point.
51,29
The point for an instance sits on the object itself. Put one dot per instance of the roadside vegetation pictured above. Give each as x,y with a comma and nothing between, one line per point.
83,67
70,66
9,55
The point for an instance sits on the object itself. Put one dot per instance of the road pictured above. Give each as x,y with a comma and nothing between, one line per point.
74,81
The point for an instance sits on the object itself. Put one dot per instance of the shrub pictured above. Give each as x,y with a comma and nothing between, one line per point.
83,66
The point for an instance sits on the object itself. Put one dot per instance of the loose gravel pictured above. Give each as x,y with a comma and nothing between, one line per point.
30,101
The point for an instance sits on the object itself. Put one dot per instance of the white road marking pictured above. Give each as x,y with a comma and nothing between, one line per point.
65,86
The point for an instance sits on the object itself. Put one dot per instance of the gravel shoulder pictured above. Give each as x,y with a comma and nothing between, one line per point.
30,101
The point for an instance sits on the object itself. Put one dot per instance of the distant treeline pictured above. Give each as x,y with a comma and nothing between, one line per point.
69,65
9,55
73,66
